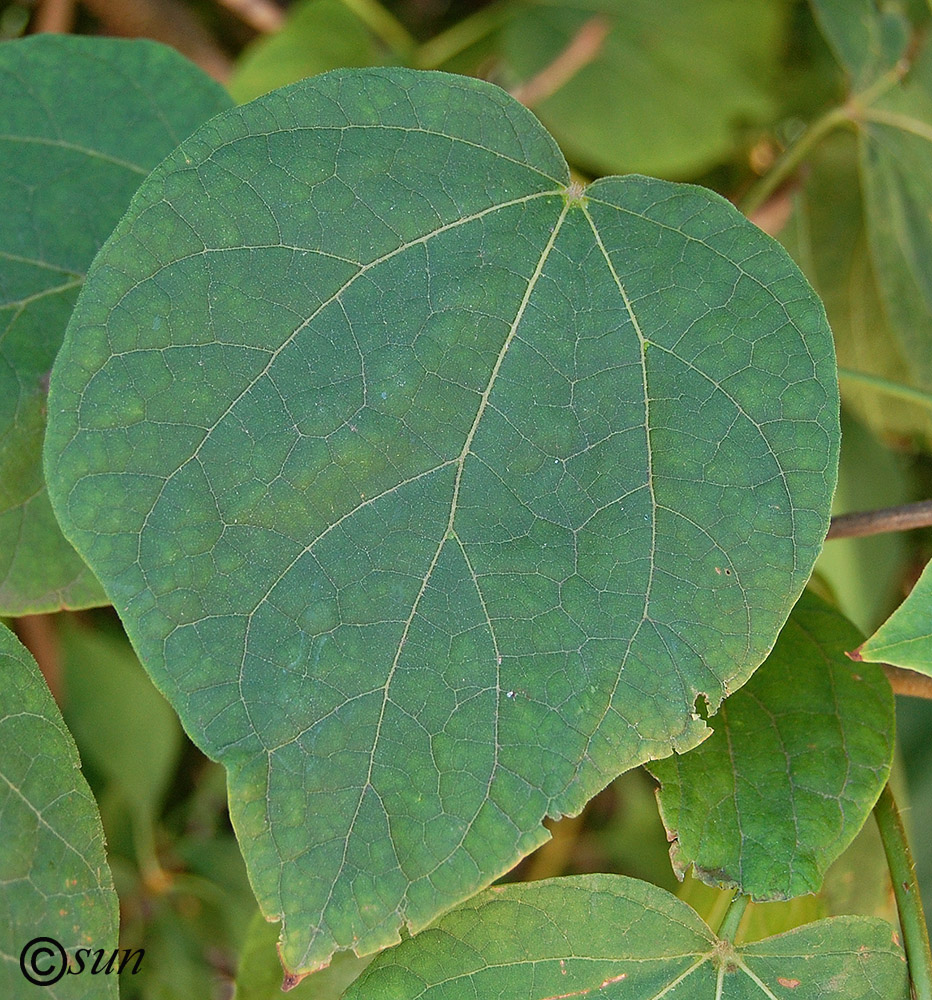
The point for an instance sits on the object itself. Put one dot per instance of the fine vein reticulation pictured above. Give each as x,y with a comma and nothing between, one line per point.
432,490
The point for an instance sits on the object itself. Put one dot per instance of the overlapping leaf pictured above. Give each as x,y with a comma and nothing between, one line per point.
868,246
796,762
633,85
53,868
905,638
84,120
615,937
432,490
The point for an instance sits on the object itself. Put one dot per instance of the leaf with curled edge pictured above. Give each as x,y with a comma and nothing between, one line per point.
433,490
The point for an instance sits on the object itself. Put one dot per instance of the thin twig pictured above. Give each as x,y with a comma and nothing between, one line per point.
583,47
877,522
53,17
38,633
906,890
263,16
908,682
166,21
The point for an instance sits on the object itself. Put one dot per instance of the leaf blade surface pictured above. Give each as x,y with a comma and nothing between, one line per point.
52,861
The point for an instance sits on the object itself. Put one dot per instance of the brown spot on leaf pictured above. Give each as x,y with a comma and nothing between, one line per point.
790,984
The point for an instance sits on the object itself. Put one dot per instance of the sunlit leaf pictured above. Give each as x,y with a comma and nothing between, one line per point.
636,85
432,490
53,869
792,771
317,35
620,939
84,120
905,638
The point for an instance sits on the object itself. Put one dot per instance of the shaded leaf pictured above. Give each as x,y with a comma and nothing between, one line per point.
123,727
866,574
663,92
867,41
792,771
871,252
317,35
827,236
53,867
610,936
66,177
431,490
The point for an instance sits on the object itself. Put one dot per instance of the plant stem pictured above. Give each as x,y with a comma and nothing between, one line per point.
384,24
732,918
458,37
877,522
792,158
897,389
906,891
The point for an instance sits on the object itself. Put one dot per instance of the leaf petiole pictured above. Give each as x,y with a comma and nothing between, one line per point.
906,891
732,919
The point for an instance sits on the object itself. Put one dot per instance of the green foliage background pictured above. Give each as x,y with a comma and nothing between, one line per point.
709,91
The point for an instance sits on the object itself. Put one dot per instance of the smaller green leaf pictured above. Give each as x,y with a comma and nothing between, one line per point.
865,40
317,35
905,638
611,936
796,761
53,869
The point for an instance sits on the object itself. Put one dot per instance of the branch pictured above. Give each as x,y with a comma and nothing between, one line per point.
877,522
583,47
908,682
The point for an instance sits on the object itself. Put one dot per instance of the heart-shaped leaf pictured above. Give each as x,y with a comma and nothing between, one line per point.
53,868
84,121
793,769
612,937
433,490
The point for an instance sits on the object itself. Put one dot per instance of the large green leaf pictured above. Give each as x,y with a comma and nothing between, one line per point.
432,490
664,92
84,121
793,769
53,869
615,937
